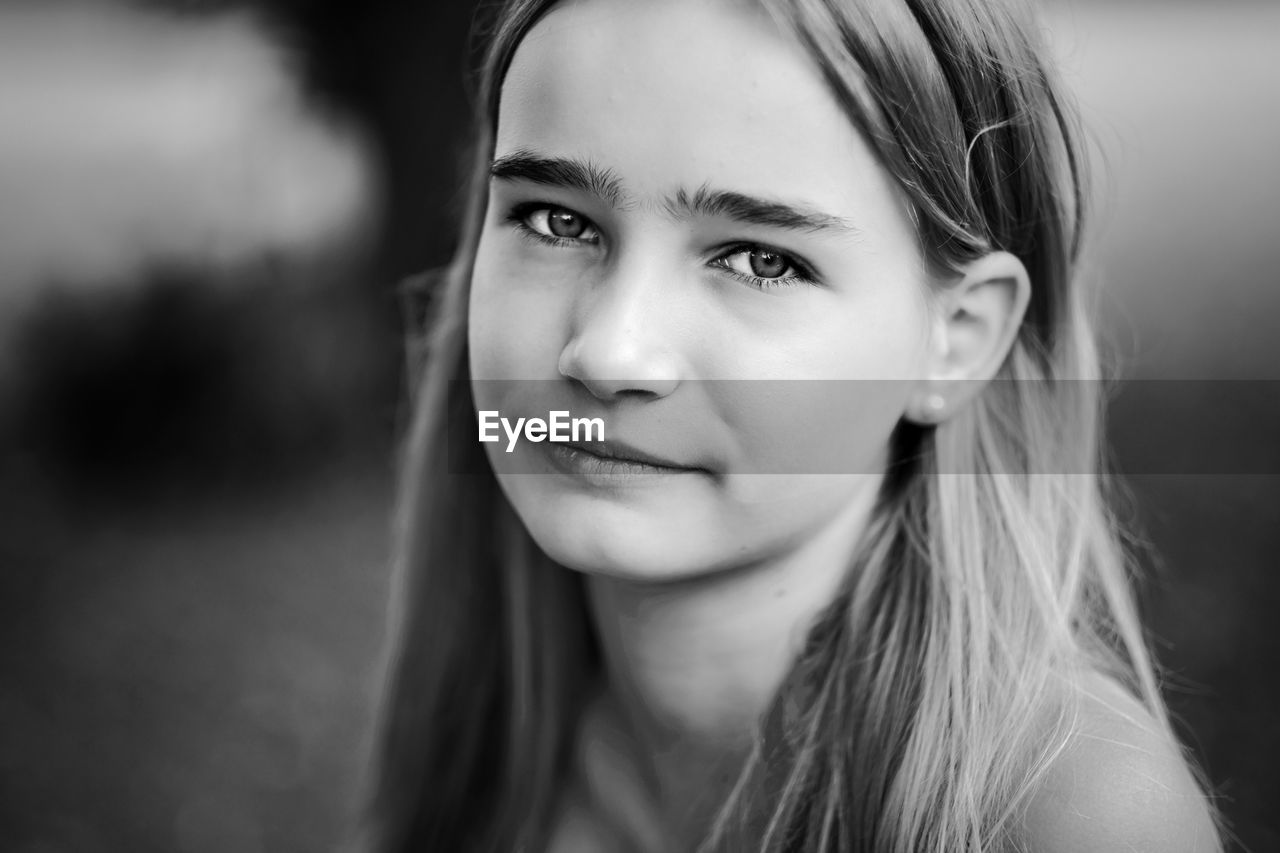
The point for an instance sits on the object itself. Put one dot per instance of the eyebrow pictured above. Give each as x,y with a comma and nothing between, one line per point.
757,211
560,172
589,178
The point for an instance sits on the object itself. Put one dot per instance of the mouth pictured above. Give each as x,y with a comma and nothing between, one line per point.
615,458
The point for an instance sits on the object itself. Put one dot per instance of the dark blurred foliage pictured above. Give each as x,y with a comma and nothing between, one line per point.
184,383
195,487
195,484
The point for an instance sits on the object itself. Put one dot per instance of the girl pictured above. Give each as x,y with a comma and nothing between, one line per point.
840,575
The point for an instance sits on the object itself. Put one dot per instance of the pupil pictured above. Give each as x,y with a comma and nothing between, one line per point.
767,264
565,224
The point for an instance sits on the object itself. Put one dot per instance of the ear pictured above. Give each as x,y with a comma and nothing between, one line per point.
976,323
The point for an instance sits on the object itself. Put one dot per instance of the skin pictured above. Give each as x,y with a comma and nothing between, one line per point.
1120,785
638,317
630,328
701,583
629,305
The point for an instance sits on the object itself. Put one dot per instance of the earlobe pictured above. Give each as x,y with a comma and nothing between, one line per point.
978,322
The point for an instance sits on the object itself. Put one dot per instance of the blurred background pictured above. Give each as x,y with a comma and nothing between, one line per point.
205,208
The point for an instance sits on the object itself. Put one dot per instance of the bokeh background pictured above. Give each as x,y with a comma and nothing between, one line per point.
205,208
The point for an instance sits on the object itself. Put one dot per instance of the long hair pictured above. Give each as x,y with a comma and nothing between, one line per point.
944,677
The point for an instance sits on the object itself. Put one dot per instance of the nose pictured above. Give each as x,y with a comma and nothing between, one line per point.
621,342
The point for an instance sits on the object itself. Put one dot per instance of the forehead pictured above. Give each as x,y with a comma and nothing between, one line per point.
684,93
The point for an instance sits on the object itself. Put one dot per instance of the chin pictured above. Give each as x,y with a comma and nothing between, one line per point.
652,537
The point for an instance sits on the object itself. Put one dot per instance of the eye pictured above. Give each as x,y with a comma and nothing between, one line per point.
763,267
555,225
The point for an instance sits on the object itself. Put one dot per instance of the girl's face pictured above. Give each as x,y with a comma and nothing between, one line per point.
676,200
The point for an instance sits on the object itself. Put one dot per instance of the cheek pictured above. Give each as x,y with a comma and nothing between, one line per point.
880,332
820,426
808,452
514,330
849,379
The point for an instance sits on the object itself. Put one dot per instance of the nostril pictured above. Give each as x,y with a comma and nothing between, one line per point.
616,390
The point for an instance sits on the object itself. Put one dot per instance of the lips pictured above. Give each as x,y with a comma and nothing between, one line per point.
620,452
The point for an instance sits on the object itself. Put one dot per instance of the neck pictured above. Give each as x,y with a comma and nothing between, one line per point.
692,665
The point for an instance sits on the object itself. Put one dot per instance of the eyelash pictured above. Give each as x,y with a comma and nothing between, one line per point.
519,218
802,275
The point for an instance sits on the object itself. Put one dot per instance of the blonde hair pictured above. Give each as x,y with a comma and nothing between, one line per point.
944,677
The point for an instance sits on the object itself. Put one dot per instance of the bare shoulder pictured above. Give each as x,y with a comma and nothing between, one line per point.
1120,785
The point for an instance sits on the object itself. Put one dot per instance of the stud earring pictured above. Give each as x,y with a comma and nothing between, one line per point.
936,404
